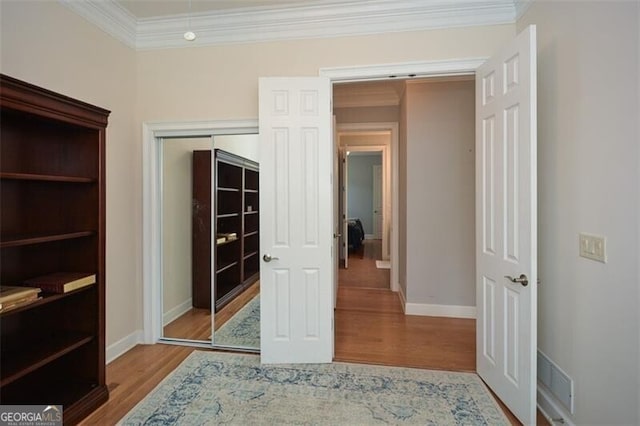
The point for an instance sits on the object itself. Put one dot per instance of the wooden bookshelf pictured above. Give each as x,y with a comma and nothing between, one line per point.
236,211
52,204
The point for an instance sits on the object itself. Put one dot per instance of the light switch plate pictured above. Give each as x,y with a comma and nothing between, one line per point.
593,247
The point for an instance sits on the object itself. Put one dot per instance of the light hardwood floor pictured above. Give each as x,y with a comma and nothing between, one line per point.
362,271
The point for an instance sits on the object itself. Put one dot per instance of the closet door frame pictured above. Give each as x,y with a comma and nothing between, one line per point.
152,135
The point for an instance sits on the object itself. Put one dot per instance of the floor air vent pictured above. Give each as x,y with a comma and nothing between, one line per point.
556,381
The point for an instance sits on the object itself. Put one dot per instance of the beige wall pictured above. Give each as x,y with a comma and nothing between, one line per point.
588,182
177,195
46,44
388,114
440,212
220,82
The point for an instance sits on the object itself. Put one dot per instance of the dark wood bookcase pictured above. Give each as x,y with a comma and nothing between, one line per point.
235,211
52,219
201,230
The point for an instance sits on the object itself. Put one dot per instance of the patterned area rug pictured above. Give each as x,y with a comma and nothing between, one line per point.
243,329
221,388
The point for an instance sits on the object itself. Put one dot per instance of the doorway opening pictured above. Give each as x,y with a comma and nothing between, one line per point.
432,179
365,258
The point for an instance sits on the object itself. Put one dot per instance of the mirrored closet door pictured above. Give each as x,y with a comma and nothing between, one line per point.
210,240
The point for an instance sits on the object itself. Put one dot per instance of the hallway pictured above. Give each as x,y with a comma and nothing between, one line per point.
372,328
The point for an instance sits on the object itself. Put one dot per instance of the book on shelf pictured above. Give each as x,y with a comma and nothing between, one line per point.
9,306
62,282
221,238
12,297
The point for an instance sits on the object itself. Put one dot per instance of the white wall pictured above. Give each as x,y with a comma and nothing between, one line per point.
46,44
440,241
588,180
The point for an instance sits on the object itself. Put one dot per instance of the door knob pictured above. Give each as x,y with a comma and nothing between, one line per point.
267,258
522,279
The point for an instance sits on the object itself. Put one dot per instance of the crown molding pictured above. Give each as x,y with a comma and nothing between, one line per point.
109,16
307,20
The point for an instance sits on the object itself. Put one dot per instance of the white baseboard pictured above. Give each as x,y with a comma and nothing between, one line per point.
451,311
552,410
369,236
123,345
174,313
403,299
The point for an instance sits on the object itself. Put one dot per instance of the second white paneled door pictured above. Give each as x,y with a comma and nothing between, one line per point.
506,225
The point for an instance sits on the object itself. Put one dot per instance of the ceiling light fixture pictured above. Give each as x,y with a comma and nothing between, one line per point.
189,35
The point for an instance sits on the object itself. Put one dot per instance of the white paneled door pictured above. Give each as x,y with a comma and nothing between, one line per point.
296,224
506,225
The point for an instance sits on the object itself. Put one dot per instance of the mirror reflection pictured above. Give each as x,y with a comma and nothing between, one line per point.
211,240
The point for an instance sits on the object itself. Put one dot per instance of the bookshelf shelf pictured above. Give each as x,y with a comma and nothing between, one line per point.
225,267
45,178
45,299
52,204
38,355
247,256
17,241
223,216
